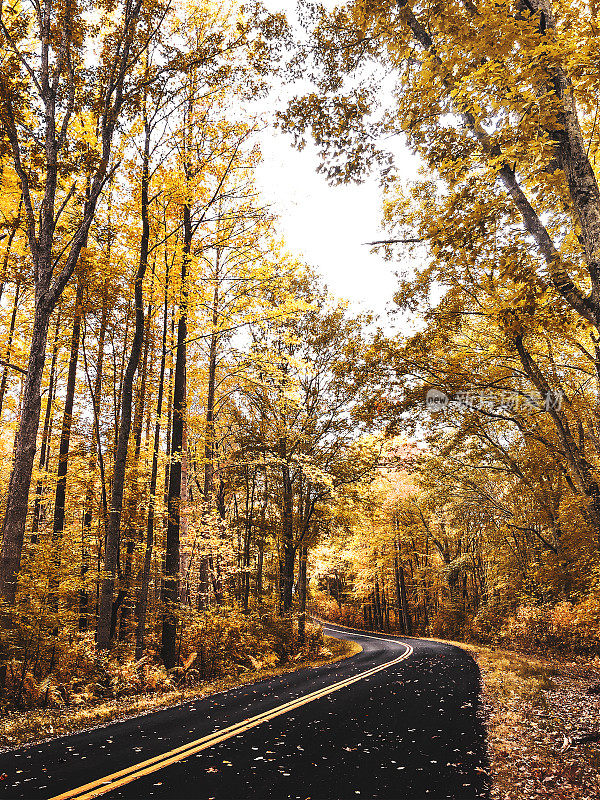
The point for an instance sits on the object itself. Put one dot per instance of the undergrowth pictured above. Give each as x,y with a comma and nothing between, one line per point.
68,671
22,727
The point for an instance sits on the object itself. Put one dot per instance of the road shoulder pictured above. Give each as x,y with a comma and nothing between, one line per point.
531,704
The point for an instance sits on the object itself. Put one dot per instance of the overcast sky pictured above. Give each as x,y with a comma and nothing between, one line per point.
326,225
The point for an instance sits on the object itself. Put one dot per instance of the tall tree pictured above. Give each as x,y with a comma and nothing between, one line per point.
106,605
170,590
65,438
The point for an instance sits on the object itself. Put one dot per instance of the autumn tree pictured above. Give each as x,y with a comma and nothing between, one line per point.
296,418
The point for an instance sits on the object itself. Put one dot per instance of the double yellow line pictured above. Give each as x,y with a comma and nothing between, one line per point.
116,779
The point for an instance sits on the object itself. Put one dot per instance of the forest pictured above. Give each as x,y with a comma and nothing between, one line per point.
202,447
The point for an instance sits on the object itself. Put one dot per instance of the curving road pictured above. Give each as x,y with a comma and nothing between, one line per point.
399,721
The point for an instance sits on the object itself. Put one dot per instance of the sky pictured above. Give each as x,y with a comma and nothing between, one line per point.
328,225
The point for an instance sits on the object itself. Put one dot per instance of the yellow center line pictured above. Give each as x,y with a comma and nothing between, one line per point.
116,779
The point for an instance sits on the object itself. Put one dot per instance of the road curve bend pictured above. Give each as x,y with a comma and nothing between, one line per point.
400,720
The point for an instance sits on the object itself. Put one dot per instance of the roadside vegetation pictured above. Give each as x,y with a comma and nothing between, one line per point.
130,689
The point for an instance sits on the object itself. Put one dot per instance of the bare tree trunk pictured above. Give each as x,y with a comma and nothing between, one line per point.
45,444
169,424
386,609
84,604
184,548
247,541
210,398
377,604
145,581
303,592
206,565
111,552
400,616
170,589
118,388
63,453
131,526
338,590
287,557
406,618
259,570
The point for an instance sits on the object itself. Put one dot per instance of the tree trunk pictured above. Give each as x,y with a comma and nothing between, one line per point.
259,570
111,551
170,588
45,444
131,526
84,609
210,397
145,581
377,604
287,556
338,591
406,618
206,567
401,621
24,453
60,496
247,541
302,592
184,543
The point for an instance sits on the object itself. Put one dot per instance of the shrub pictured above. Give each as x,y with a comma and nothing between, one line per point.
234,642
565,626
324,606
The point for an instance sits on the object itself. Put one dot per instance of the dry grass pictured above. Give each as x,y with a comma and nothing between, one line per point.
27,727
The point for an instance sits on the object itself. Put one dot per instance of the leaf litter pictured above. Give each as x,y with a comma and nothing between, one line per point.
533,705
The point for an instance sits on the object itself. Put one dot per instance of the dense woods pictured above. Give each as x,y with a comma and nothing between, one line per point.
494,517
200,444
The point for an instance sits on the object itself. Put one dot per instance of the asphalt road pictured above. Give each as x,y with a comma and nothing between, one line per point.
409,730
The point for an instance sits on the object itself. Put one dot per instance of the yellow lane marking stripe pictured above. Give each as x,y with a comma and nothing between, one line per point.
116,779
364,635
